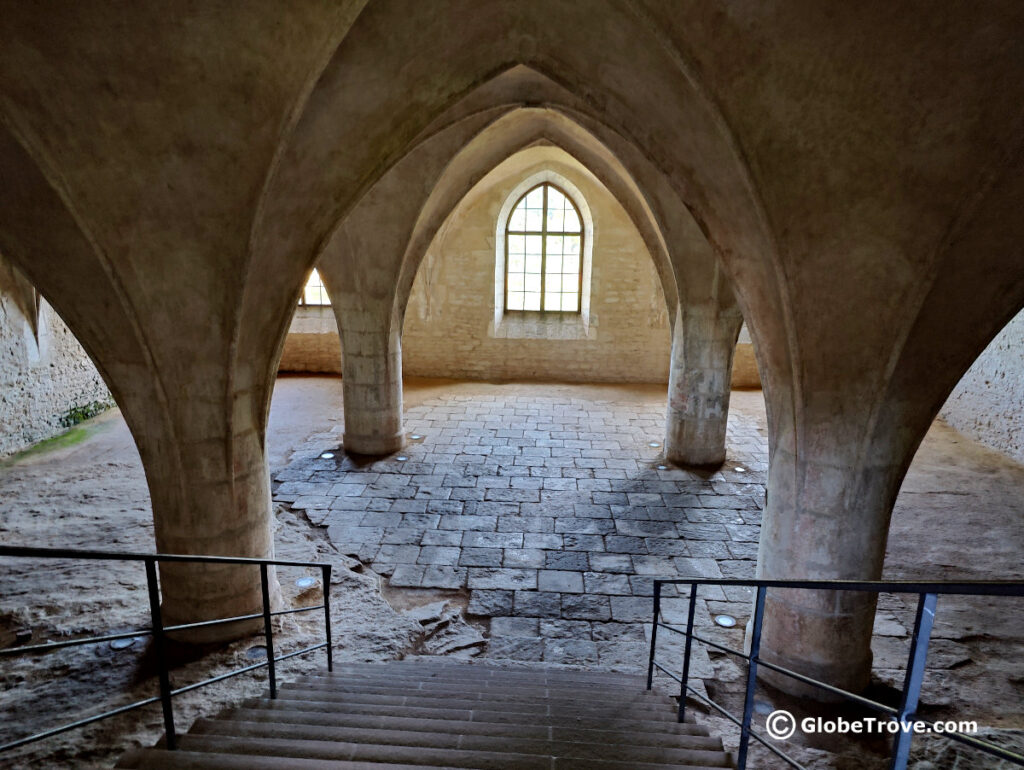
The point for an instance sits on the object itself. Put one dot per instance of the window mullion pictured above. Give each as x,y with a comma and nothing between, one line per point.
543,247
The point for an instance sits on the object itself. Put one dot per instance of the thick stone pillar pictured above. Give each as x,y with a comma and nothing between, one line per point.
372,382
700,373
827,520
210,496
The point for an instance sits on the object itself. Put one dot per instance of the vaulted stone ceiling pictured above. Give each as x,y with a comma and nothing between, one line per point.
169,173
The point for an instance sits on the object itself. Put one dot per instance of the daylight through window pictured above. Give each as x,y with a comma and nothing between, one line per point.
314,292
543,253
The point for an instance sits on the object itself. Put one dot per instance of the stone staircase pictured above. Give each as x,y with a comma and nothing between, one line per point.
421,715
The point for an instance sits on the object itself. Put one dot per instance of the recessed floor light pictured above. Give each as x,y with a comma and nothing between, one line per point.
653,444
415,436
725,621
662,467
259,651
122,644
401,458
738,469
327,455
306,582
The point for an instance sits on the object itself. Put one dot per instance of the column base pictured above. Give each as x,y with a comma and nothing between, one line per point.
851,676
373,445
201,596
710,461
823,635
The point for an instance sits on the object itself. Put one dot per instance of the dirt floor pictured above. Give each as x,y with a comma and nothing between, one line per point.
958,516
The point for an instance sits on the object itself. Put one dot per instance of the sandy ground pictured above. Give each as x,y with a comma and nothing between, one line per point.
958,516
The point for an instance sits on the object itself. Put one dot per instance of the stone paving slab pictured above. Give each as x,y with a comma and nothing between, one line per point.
554,513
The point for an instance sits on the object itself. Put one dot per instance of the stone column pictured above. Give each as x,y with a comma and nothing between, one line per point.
372,383
210,496
825,519
700,373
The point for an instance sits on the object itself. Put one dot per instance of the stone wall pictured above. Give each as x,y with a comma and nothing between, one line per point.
744,363
44,372
449,325
450,328
312,344
988,403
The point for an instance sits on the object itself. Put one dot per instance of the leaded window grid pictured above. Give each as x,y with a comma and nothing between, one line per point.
544,232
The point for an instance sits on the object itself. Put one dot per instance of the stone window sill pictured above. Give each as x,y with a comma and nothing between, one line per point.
543,326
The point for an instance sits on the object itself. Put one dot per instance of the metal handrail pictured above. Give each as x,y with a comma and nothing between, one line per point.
928,594
159,631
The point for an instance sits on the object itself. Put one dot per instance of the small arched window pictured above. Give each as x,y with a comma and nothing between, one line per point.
544,253
314,292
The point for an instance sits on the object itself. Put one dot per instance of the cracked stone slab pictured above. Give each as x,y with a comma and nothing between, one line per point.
490,602
483,577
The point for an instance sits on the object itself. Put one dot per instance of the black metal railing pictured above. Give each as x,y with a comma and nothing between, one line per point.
159,631
904,714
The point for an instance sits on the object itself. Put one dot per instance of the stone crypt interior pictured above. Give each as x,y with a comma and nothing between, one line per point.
506,310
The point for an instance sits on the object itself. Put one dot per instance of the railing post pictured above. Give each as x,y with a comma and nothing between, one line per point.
748,701
686,652
267,630
915,676
159,646
654,633
326,570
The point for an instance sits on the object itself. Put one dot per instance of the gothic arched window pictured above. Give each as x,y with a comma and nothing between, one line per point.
544,253
314,292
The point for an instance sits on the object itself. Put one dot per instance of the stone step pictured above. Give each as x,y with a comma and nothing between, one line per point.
444,715
333,750
467,690
627,684
568,731
512,688
620,721
489,701
423,670
431,757
160,759
689,750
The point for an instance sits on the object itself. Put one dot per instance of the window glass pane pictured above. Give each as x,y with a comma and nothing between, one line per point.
534,220
314,292
518,219
557,255
572,221
555,220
